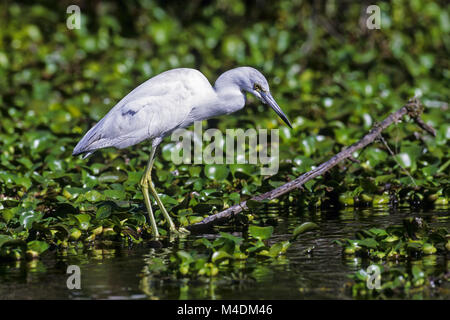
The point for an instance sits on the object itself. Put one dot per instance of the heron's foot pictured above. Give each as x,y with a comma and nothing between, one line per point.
156,236
183,231
180,231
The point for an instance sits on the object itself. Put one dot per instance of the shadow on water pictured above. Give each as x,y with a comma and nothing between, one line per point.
313,267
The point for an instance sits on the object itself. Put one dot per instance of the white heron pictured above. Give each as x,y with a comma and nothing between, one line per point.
171,100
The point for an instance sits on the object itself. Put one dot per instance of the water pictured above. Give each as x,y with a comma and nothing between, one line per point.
119,272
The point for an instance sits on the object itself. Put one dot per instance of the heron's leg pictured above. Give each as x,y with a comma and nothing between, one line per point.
148,176
144,187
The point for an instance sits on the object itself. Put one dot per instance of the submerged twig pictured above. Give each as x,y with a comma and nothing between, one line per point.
413,108
393,156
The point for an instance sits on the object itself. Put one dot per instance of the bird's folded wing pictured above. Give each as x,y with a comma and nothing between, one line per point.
139,119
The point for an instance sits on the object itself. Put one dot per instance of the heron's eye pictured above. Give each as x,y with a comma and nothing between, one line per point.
257,87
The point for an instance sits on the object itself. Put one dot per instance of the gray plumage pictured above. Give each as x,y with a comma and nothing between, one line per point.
171,100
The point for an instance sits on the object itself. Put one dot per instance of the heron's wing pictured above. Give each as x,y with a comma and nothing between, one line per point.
153,109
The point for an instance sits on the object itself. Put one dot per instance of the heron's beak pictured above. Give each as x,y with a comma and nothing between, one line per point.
268,99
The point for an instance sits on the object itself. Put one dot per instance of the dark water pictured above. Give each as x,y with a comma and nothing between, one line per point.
120,273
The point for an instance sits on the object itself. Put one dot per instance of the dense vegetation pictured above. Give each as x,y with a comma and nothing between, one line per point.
332,76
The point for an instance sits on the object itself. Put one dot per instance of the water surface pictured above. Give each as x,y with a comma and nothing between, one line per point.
120,273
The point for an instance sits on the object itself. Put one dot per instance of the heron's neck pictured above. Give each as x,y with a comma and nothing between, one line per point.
230,97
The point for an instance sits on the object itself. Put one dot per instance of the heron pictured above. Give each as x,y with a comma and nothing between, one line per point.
171,100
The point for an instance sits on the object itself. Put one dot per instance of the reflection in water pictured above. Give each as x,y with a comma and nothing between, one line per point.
313,266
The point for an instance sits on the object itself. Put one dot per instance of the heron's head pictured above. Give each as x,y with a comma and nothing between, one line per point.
253,81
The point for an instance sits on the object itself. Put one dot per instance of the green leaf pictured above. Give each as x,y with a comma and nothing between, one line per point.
83,219
304,227
429,248
28,217
103,212
115,194
113,176
237,240
378,232
260,233
417,272
184,256
203,241
220,255
368,243
279,248
94,196
38,246
216,172
8,241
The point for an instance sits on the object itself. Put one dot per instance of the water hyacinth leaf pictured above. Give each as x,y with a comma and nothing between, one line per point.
417,272
368,243
237,240
375,156
115,194
195,171
75,234
279,248
235,197
8,214
304,227
210,192
184,256
7,178
260,233
414,246
429,248
38,246
380,200
139,218
103,212
61,229
220,255
168,200
378,232
24,182
27,217
362,275
429,171
72,192
93,196
216,172
404,159
303,163
8,241
134,178
113,176
204,242
83,219
241,170
384,178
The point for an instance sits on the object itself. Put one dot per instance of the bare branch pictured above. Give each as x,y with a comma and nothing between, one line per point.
413,108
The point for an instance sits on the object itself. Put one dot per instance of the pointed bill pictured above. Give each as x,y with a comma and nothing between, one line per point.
267,97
